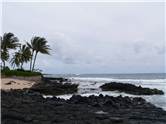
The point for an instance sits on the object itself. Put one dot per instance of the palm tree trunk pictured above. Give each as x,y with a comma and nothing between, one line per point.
3,64
21,65
34,61
31,61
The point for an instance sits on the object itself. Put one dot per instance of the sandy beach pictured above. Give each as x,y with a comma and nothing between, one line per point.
19,82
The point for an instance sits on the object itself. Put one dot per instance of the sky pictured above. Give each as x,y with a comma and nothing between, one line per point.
92,37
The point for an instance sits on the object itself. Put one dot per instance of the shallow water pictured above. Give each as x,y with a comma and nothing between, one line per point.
89,85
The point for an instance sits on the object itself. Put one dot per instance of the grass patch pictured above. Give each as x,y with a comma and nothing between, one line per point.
9,73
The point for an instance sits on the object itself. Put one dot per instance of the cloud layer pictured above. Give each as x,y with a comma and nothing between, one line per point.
93,37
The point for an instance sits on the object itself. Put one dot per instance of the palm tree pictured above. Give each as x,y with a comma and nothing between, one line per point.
25,54
8,41
38,45
21,57
4,57
16,60
32,47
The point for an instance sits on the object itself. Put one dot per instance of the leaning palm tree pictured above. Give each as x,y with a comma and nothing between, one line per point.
25,54
8,41
38,45
32,46
16,60
4,57
21,57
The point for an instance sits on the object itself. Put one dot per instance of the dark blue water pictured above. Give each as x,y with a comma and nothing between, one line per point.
116,76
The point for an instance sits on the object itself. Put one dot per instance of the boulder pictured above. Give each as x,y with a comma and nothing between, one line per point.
54,86
130,88
26,107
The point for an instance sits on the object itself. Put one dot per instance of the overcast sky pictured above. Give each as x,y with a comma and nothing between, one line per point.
92,37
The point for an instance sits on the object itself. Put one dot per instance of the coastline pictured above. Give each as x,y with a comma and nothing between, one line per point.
19,82
30,106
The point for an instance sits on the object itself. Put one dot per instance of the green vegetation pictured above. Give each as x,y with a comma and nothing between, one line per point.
8,41
9,73
24,53
38,45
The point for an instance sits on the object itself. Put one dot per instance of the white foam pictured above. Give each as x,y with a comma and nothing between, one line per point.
120,80
91,86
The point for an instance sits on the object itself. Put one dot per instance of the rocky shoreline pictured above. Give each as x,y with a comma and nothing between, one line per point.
27,107
130,88
60,86
54,86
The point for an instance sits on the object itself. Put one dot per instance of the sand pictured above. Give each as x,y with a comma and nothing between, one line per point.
12,83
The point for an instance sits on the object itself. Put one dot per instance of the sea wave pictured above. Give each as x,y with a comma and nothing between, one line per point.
115,79
91,86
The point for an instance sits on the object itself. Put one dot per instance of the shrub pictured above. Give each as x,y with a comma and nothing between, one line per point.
20,69
19,73
6,68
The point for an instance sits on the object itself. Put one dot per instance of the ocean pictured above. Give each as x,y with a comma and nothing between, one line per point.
89,85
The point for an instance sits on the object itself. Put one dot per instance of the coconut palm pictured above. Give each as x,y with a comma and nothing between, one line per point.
21,57
8,41
38,45
32,47
4,56
16,60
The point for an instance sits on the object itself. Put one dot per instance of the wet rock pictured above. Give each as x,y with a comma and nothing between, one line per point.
26,107
130,88
101,112
55,86
53,79
116,120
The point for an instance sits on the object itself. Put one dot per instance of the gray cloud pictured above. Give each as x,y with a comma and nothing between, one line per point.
160,49
92,37
138,46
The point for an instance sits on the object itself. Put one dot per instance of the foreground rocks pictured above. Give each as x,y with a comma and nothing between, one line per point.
130,88
27,107
55,86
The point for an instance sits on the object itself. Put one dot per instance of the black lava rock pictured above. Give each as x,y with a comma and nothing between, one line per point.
130,88
55,86
28,107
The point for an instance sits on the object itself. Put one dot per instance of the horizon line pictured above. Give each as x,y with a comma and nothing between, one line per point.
103,73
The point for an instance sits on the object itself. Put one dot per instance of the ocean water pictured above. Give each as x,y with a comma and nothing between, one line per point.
89,85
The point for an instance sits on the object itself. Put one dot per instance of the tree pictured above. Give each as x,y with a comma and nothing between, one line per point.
38,45
32,47
21,57
8,41
4,57
16,60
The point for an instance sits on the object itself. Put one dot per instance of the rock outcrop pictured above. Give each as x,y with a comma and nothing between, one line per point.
27,107
130,88
55,86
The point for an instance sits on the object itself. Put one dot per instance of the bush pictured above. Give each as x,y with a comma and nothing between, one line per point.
6,68
20,69
19,73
